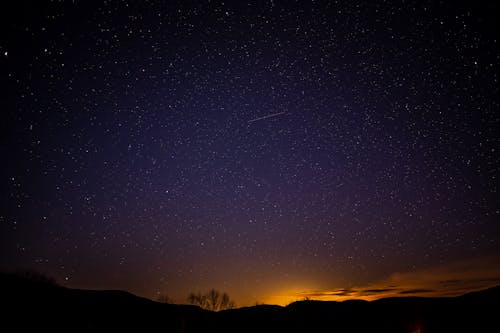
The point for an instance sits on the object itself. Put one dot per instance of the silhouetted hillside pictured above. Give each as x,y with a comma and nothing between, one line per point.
38,304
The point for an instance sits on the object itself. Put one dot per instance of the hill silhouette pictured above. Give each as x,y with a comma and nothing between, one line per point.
38,304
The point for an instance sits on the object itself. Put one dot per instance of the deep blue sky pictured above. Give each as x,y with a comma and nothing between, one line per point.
138,155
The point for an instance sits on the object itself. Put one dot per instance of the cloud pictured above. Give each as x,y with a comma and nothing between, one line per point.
416,291
448,280
375,291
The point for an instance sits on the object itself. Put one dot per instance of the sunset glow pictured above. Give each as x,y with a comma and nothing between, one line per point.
452,280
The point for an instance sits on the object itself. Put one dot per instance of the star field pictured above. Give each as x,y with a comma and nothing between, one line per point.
169,147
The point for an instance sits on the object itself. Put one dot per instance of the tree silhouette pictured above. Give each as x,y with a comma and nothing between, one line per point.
164,299
213,300
35,277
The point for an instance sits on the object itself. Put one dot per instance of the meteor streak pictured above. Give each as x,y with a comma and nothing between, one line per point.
267,116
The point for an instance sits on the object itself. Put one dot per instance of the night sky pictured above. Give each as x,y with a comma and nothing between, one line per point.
275,150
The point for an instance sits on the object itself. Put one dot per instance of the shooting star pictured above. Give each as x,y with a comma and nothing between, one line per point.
267,116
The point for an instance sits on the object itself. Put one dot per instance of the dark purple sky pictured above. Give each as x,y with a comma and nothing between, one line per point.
270,149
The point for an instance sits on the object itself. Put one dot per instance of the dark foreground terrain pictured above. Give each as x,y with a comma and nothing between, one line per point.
36,305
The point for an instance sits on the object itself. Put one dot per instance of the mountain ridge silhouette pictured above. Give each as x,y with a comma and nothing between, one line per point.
42,305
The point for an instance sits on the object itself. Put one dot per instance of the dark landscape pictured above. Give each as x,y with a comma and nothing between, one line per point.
32,305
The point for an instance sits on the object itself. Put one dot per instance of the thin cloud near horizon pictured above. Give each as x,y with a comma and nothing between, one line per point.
453,279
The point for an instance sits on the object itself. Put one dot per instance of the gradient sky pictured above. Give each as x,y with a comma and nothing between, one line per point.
275,150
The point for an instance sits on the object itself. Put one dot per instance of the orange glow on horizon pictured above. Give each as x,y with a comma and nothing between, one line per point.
451,280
